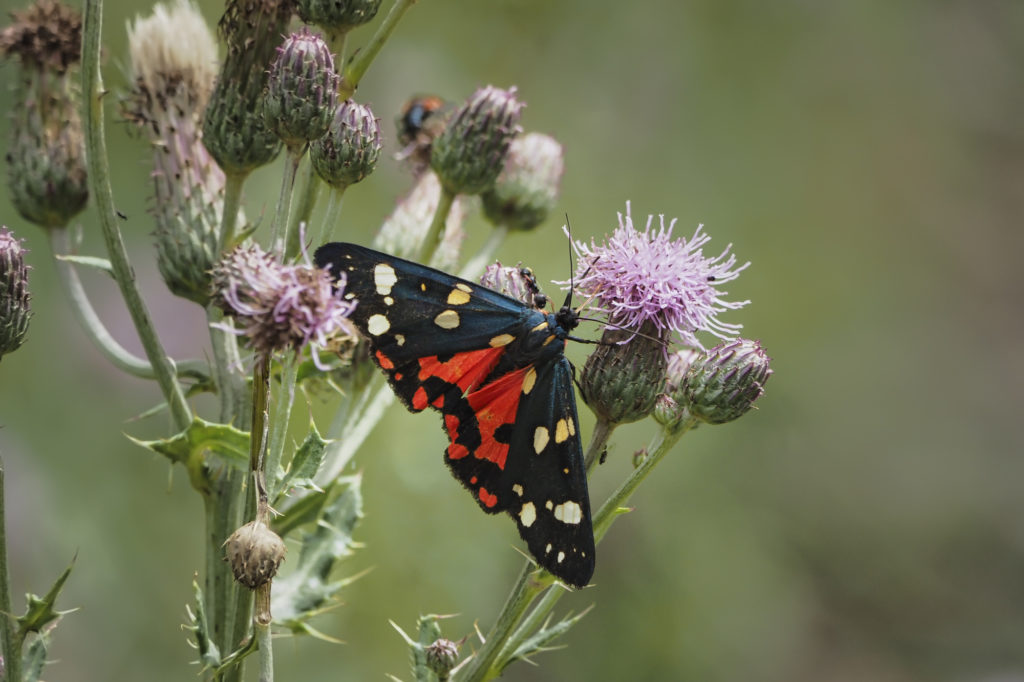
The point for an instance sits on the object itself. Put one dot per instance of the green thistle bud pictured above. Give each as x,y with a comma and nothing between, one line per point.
171,83
302,93
469,155
46,157
350,149
527,188
442,656
337,16
14,297
255,552
233,128
622,378
404,230
670,409
724,385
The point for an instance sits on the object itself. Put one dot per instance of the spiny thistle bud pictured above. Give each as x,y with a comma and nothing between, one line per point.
622,378
337,16
173,55
723,385
350,149
404,230
518,282
46,158
255,552
303,90
233,128
470,153
527,188
670,409
279,307
442,656
14,298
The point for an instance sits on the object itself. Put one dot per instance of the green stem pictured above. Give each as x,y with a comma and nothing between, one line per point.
333,214
529,584
279,233
99,185
279,425
11,643
361,420
354,70
60,244
598,442
266,648
478,263
229,213
433,237
307,185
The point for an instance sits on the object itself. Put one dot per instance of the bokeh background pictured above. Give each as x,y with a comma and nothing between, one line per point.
863,525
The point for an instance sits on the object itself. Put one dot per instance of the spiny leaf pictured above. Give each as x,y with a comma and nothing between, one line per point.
200,447
101,264
304,464
40,609
539,641
209,654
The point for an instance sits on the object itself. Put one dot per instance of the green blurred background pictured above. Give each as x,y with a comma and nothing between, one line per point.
863,525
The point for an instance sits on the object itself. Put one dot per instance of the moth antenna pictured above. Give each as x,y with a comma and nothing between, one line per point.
572,268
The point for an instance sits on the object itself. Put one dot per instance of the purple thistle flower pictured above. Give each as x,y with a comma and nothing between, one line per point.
648,276
277,306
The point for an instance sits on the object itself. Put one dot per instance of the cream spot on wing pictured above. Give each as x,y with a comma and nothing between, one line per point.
527,515
400,339
388,300
548,340
529,380
540,439
518,489
500,340
542,325
423,286
447,319
384,278
547,550
561,556
572,426
569,512
377,324
462,286
457,297
549,505
561,431
349,296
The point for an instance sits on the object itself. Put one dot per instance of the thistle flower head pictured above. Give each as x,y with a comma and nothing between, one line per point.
303,89
280,307
404,230
46,156
14,296
442,655
337,17
233,127
527,188
173,59
470,153
723,385
350,149
640,277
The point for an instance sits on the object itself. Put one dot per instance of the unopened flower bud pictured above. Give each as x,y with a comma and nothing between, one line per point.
404,230
442,656
624,375
350,149
724,385
303,90
470,153
336,16
255,552
46,156
527,188
14,297
518,282
233,128
670,409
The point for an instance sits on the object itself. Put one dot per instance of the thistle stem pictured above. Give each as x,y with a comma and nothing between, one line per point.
229,215
362,417
266,648
99,185
279,233
307,184
433,237
354,71
478,263
598,442
11,643
282,413
333,214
